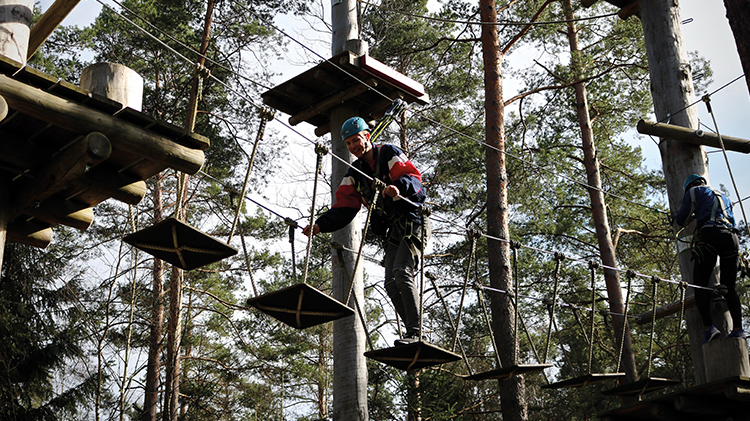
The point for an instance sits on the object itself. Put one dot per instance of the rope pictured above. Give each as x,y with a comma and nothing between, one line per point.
320,150
431,276
350,278
265,115
592,266
654,284
707,100
629,276
559,257
378,186
473,235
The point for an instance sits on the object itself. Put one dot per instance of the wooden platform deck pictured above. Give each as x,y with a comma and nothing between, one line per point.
721,400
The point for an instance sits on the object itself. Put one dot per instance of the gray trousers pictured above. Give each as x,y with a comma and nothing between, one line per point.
402,256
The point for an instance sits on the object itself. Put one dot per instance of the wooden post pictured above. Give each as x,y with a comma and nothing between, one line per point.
15,22
116,82
349,365
15,19
726,358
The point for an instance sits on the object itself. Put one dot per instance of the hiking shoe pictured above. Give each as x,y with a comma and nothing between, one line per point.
710,334
409,338
737,334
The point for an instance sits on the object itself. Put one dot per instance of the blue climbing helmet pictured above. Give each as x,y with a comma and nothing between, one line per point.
692,178
353,126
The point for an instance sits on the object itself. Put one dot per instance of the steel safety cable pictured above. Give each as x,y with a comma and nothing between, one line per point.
707,100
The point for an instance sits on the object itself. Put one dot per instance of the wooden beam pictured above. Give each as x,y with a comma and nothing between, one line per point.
69,165
665,310
322,130
56,211
588,3
30,233
737,392
103,183
50,20
332,101
332,81
695,137
81,119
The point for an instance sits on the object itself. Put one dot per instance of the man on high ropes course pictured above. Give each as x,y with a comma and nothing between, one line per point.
715,236
396,217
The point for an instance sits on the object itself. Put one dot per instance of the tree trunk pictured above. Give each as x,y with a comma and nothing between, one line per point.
738,14
151,397
673,92
512,390
349,365
598,208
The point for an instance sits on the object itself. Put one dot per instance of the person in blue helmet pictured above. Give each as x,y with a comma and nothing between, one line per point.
715,236
397,219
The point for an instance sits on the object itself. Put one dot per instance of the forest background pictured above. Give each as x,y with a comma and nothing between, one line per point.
89,295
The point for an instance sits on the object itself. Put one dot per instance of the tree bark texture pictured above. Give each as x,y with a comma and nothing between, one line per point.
598,208
673,93
738,14
512,390
349,364
151,394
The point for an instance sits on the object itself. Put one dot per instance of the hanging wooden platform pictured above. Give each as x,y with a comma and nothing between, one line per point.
583,381
65,150
413,356
371,85
300,306
508,372
642,386
180,244
720,400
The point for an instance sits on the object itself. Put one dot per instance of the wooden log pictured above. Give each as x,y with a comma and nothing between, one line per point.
15,23
665,310
56,211
44,27
725,358
116,82
736,392
322,130
80,119
332,101
695,137
30,233
103,183
3,109
71,164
